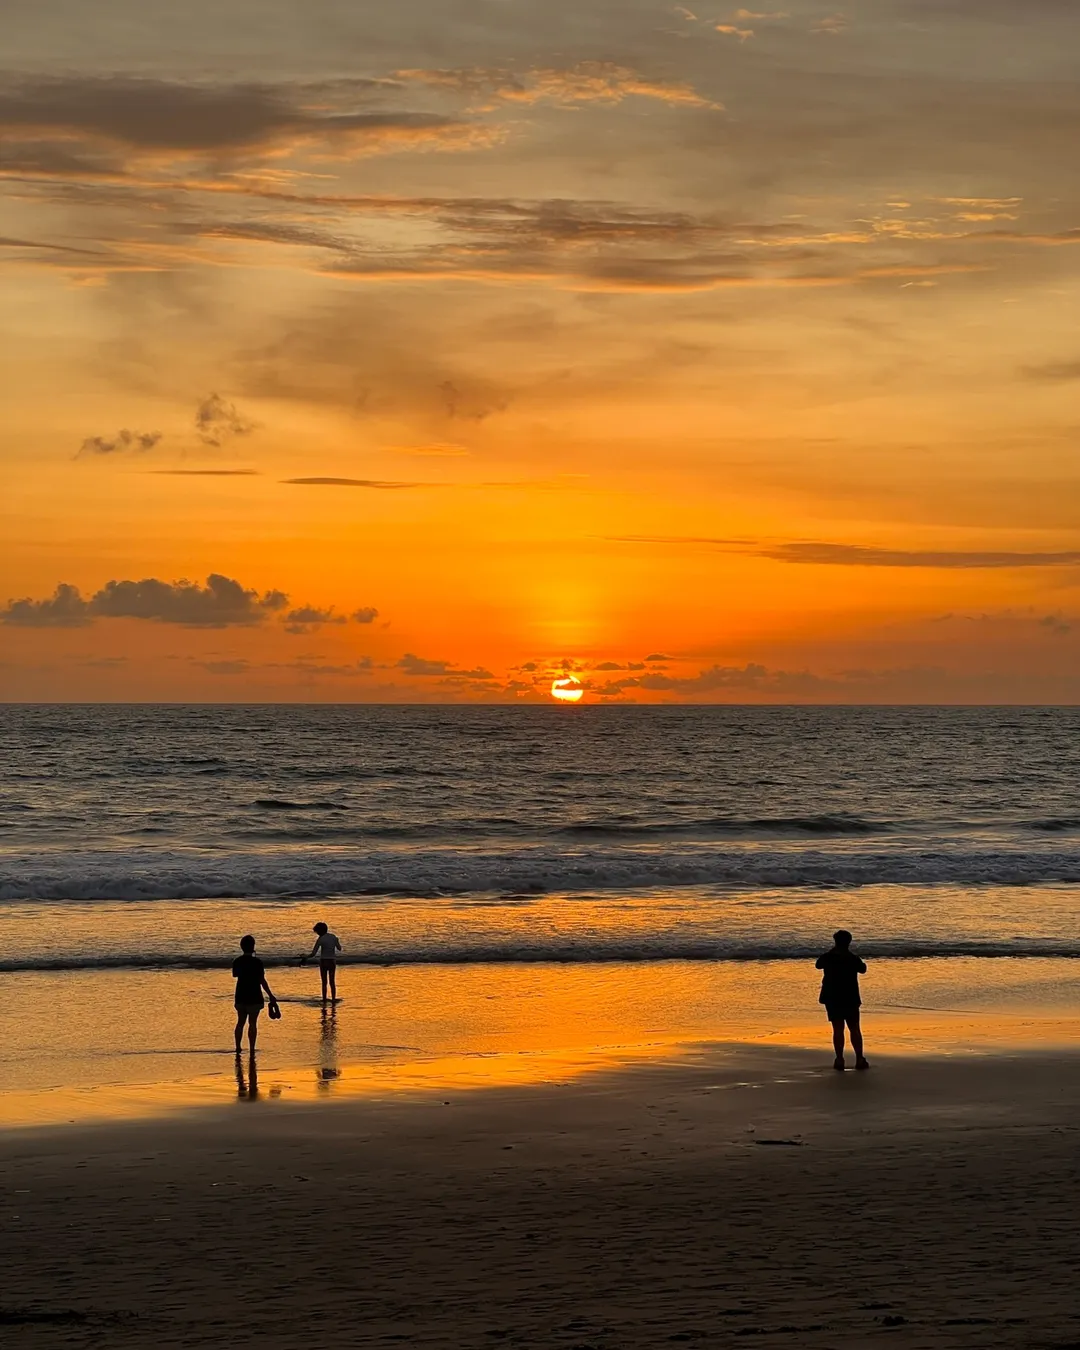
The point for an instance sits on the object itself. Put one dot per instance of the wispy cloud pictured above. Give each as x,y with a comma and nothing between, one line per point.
378,484
585,82
1053,372
85,124
856,555
823,553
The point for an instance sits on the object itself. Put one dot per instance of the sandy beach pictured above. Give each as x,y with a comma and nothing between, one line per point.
716,1194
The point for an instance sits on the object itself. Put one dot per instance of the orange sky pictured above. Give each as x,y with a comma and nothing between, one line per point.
710,354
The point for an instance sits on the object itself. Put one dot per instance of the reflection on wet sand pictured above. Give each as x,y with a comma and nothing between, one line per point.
328,1071
419,1031
247,1087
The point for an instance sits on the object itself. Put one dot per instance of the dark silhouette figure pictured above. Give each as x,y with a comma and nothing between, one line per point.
328,946
250,975
841,969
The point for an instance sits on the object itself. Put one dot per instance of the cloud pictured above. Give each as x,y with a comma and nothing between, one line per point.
217,421
318,669
137,442
237,667
376,483
586,82
1009,620
1055,372
64,609
116,117
459,405
412,664
582,245
811,553
421,667
855,555
308,617
733,30
751,678
221,603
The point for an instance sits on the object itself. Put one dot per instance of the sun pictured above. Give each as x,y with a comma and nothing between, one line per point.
567,689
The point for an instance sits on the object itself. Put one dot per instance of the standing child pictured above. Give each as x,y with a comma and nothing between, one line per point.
250,976
841,969
328,946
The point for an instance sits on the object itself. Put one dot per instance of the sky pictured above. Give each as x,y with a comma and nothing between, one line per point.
424,352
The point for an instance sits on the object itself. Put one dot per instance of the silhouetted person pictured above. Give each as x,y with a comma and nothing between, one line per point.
250,975
841,969
328,946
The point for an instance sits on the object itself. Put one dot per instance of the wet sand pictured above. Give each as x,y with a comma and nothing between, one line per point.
703,1198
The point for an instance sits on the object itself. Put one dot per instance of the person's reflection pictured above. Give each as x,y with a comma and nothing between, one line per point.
247,1086
328,1071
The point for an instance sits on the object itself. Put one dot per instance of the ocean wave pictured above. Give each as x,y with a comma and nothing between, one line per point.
280,804
286,873
562,952
838,824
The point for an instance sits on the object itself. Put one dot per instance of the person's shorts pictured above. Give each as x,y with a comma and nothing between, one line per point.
841,1012
248,1008
325,963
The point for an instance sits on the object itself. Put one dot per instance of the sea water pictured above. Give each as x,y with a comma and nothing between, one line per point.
685,860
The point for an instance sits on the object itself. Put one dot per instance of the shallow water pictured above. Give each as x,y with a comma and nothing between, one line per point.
97,1044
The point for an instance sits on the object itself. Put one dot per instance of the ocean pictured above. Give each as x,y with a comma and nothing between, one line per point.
139,842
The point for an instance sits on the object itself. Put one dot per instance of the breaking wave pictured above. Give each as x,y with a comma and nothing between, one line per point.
290,873
585,952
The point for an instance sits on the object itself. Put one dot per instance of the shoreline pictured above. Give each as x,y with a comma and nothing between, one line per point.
731,1191
77,1045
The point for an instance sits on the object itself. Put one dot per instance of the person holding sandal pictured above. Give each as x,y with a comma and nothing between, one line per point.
250,975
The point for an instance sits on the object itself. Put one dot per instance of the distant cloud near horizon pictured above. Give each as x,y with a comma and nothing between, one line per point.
420,666
375,483
309,617
221,603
